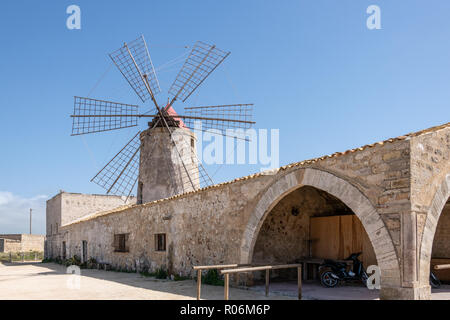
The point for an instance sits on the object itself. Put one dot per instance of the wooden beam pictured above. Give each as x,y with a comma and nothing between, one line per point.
220,266
441,266
261,268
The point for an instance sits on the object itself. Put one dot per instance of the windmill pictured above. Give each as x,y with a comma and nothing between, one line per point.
160,160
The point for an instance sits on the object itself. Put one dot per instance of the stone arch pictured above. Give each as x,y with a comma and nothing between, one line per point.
348,194
434,212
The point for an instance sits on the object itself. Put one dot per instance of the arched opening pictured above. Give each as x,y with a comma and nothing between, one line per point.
309,224
435,247
440,253
352,197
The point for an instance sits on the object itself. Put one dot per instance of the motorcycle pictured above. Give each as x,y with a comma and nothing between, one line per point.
332,272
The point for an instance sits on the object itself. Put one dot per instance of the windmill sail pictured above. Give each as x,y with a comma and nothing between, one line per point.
134,62
119,176
202,60
92,115
221,117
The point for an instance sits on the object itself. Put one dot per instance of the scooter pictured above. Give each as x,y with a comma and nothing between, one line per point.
333,272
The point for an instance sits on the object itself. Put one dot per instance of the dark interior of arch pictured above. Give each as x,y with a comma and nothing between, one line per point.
284,236
441,244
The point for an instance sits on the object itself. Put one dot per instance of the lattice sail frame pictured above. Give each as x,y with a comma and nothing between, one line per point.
93,115
202,60
221,117
133,61
120,175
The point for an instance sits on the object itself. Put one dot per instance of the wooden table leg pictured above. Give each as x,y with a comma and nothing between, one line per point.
267,282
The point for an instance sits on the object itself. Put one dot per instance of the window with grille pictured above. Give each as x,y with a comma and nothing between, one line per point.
160,242
121,243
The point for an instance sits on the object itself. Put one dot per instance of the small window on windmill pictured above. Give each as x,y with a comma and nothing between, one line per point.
160,242
140,188
121,243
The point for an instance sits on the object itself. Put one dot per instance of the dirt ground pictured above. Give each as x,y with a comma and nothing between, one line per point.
50,282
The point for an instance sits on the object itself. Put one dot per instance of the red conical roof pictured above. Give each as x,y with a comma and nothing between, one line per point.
171,112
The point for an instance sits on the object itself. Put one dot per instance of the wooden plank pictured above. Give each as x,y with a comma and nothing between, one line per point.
261,268
324,231
346,236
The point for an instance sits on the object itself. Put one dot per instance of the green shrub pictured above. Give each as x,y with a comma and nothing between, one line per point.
212,277
147,274
161,273
180,278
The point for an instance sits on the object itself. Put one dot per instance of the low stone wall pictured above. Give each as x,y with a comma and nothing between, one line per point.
11,245
22,243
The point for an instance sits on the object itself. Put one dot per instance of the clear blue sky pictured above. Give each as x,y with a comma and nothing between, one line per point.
312,68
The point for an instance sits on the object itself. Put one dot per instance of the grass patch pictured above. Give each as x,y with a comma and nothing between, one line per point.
22,256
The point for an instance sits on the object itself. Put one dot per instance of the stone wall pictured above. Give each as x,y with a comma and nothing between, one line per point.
208,227
161,172
22,242
67,207
10,245
380,183
430,164
32,242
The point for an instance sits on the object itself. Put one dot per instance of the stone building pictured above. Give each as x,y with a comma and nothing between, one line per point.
391,196
16,243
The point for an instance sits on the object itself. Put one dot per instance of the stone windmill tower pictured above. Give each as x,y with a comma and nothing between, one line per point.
160,161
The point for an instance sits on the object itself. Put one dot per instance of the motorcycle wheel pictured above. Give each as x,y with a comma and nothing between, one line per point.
434,281
328,280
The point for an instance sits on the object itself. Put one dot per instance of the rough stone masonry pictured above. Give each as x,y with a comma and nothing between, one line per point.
397,188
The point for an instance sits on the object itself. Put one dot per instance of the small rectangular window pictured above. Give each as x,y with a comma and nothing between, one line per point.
140,188
160,242
121,243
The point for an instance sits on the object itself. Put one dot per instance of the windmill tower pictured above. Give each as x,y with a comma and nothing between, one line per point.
160,161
